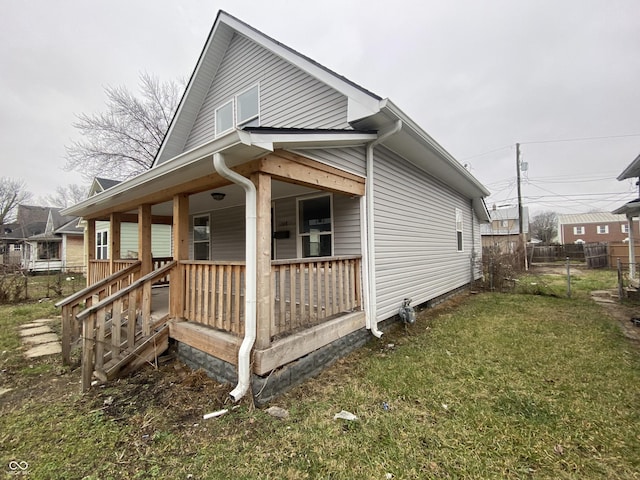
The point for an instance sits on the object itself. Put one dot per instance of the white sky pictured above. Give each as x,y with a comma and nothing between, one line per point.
478,76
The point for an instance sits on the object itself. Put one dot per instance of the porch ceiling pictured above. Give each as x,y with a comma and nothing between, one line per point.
193,173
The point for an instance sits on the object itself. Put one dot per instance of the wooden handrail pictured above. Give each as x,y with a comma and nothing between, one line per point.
88,291
297,261
125,291
211,262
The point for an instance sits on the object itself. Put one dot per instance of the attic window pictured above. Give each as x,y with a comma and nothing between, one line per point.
224,117
241,111
248,106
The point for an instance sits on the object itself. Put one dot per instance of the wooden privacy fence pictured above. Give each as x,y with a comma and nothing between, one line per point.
308,291
554,253
596,255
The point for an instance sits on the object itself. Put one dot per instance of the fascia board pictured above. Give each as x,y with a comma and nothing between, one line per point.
311,140
414,130
632,170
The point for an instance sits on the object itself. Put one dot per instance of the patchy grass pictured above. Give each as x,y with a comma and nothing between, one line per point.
489,386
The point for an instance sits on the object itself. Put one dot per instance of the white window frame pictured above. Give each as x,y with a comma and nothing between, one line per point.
241,122
602,229
459,230
102,245
17,247
217,126
194,241
578,230
624,227
300,236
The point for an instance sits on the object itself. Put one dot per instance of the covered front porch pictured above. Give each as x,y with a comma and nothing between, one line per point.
307,269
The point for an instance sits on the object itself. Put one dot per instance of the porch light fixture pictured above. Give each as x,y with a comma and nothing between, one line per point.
218,196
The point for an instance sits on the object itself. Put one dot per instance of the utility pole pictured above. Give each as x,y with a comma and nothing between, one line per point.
522,243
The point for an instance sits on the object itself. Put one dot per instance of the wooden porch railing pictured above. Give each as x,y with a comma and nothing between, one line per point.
307,291
115,327
86,297
214,294
304,292
159,262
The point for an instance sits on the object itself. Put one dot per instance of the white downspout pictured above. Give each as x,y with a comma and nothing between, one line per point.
368,247
244,354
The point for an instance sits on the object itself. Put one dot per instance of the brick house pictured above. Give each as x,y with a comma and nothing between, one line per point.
593,227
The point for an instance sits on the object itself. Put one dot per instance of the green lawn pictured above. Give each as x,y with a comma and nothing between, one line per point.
490,386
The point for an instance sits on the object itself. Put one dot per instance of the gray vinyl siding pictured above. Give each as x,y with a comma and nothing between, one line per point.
285,220
349,159
415,235
289,97
346,225
227,227
160,239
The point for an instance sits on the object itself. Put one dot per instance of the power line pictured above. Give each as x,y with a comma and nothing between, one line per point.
580,139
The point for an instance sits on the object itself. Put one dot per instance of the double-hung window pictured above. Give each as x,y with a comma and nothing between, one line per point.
603,229
102,245
578,230
315,226
201,237
624,227
459,229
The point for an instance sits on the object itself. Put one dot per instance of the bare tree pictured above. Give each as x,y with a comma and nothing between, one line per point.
66,196
123,141
544,226
12,193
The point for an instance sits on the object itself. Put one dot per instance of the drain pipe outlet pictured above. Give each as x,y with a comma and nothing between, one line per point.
244,354
370,248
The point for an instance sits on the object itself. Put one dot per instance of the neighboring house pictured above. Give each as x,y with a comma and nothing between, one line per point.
59,246
593,227
631,212
305,210
160,233
42,239
11,244
503,233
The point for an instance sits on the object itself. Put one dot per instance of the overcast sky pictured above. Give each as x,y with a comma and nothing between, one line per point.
478,76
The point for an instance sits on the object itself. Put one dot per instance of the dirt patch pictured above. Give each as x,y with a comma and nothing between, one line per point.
622,314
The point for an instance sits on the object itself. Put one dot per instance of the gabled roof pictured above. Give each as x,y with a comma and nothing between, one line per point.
592,217
366,113
361,102
101,184
72,227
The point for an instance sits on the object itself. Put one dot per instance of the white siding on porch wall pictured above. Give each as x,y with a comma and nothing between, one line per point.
289,97
415,235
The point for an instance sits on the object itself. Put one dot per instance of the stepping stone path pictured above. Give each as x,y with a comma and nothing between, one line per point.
40,339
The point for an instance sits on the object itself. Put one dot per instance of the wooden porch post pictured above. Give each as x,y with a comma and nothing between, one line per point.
114,247
144,239
180,252
90,245
264,306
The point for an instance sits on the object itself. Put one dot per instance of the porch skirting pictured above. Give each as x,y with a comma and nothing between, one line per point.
266,388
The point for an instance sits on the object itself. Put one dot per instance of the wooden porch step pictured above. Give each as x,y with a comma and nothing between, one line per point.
130,360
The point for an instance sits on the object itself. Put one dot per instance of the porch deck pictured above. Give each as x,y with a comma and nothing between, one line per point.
124,318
